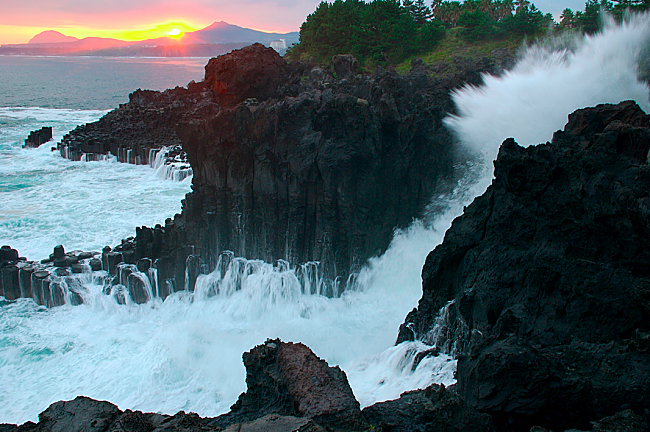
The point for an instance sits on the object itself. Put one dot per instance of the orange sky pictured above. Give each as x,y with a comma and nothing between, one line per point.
144,19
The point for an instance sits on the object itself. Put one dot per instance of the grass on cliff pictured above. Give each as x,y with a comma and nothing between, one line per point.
453,45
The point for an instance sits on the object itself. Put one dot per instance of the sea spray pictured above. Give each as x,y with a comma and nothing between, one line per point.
533,100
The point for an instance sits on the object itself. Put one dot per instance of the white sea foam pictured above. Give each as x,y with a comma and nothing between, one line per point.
48,200
185,353
534,99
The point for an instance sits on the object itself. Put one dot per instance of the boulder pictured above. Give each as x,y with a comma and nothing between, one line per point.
254,71
38,137
545,278
290,380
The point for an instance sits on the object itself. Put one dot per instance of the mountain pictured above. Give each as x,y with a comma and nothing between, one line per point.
218,38
222,32
51,36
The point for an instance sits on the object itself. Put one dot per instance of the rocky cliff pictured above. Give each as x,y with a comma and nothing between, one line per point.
543,282
298,166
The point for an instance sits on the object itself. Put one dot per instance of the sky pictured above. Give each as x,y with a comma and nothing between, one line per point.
20,20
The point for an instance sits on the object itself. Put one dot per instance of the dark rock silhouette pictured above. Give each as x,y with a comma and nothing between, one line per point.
289,163
544,279
421,410
38,137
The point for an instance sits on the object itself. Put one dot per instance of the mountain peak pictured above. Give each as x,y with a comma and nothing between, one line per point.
51,36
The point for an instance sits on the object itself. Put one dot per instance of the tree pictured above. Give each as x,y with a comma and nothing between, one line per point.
418,10
567,19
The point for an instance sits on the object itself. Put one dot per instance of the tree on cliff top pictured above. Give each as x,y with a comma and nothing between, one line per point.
382,31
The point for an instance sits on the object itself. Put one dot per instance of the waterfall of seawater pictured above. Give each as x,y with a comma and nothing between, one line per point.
185,353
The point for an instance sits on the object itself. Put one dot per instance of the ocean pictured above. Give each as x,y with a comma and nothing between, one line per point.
185,353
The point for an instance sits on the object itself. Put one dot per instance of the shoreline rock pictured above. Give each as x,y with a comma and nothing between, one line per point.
290,389
289,163
544,278
38,137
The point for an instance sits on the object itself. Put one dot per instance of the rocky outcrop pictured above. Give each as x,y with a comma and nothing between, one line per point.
288,379
289,163
544,280
253,72
422,410
289,390
314,170
138,131
38,137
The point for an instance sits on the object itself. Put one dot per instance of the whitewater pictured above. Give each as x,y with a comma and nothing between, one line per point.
185,353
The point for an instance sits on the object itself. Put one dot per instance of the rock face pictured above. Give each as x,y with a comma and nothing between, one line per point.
38,137
289,163
288,379
544,279
311,169
422,410
253,72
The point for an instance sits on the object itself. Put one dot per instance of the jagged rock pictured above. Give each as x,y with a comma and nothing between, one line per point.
305,169
254,71
433,409
545,278
345,65
288,379
38,137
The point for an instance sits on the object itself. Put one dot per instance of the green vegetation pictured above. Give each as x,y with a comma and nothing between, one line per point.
390,32
381,31
590,20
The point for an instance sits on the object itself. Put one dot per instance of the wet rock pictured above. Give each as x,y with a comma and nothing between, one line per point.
10,282
545,278
112,260
435,408
38,137
7,254
289,380
276,423
59,252
95,264
85,255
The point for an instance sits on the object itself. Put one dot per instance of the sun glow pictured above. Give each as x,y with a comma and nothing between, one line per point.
175,33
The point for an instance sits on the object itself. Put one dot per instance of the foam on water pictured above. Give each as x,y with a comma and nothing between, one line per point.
48,200
185,352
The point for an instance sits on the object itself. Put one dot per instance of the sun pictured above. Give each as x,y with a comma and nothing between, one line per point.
175,33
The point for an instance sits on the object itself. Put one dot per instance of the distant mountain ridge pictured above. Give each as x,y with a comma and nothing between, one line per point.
217,38
51,36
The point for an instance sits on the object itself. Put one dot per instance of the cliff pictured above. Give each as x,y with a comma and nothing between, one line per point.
543,281
289,163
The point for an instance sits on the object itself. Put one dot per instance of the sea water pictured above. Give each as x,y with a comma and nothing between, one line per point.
185,352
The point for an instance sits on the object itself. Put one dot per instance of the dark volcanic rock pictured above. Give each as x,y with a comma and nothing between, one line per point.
546,278
136,131
289,163
344,65
322,172
433,409
38,137
288,379
254,71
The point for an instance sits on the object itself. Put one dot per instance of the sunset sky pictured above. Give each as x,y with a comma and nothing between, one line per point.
145,19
